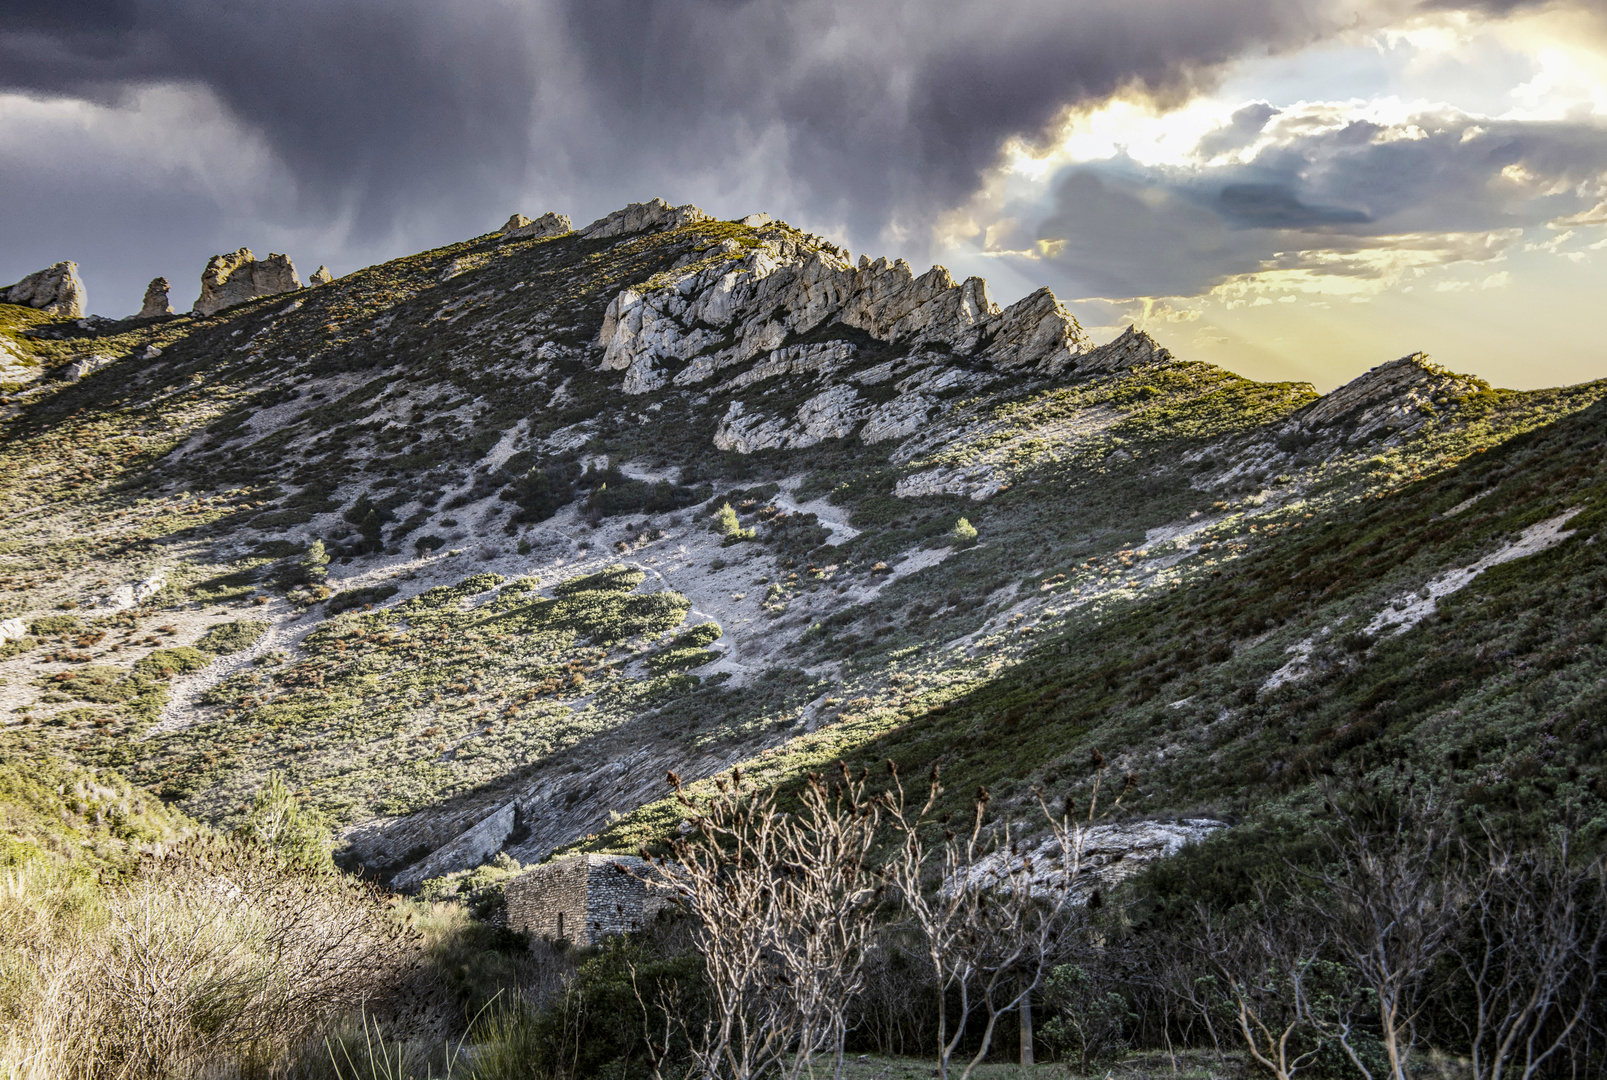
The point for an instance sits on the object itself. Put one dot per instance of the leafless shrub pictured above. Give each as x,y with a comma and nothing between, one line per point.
1389,904
211,954
782,905
1533,956
993,915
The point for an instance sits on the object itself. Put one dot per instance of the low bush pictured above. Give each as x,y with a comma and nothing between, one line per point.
232,637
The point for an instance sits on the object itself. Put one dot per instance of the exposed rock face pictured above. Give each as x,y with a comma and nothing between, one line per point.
55,290
520,227
1111,853
321,276
637,217
1133,348
1398,397
239,276
13,630
156,301
84,365
725,311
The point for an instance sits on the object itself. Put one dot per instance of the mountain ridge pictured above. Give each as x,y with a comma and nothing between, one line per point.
468,429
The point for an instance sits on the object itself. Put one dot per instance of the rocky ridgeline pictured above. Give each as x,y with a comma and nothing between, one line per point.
1392,399
55,290
240,276
735,304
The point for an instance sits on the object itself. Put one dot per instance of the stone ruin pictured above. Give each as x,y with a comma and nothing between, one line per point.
55,290
583,899
240,276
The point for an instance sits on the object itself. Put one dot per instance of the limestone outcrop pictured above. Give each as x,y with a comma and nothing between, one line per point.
156,300
55,290
732,307
85,365
520,227
240,276
1396,397
639,217
1111,854
320,276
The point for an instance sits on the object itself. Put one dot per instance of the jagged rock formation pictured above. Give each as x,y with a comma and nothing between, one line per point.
638,217
320,276
240,276
156,301
520,227
727,310
1396,397
55,290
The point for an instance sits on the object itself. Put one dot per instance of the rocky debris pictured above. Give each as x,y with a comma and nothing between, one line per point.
1392,398
13,630
85,365
638,217
1110,854
725,311
54,290
132,595
1133,348
320,276
520,227
240,276
156,303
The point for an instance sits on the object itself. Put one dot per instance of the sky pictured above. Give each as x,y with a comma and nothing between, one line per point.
1292,189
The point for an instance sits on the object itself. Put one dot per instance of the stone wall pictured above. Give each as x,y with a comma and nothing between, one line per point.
583,899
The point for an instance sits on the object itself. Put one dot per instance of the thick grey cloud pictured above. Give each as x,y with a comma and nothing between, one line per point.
1436,189
398,123
423,119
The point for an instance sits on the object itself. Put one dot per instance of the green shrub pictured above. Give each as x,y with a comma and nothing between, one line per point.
727,525
705,633
232,637
54,624
167,662
353,598
963,532
615,578
680,660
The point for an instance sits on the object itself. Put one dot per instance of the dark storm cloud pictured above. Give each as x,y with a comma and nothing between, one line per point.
408,108
401,123
376,101
1442,186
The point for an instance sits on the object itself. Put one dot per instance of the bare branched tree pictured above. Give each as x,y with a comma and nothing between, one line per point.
1533,955
993,914
783,904
1389,902
1268,971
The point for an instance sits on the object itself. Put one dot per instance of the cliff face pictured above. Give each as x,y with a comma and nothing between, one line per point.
670,493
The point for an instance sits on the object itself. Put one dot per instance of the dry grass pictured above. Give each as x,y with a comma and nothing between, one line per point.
211,960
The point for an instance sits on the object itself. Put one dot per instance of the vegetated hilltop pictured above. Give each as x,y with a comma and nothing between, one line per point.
478,544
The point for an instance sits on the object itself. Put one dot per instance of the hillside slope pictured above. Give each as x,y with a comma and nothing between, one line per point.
674,493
